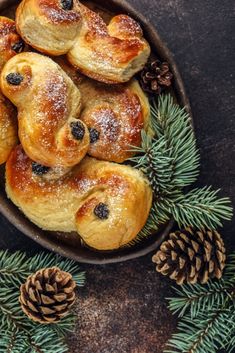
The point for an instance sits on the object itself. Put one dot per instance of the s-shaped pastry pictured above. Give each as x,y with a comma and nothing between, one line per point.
110,53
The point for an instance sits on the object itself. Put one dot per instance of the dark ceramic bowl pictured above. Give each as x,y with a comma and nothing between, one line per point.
68,244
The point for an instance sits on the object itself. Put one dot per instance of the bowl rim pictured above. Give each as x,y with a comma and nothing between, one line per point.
16,218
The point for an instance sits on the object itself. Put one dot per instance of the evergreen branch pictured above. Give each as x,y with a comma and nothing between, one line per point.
198,298
202,208
229,272
170,160
45,340
208,315
15,268
43,260
171,156
199,208
21,335
62,328
13,342
204,334
174,124
230,345
154,161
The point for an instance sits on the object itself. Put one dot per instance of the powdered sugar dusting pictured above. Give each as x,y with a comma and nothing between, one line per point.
119,120
56,14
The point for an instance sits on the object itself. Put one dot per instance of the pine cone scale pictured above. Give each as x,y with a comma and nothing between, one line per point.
46,299
50,288
31,306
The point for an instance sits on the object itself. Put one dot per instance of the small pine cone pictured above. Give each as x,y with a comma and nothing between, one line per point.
155,77
47,295
191,256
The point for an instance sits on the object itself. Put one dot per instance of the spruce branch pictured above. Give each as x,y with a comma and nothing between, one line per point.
170,160
207,333
13,342
197,297
174,146
207,315
202,208
18,333
15,268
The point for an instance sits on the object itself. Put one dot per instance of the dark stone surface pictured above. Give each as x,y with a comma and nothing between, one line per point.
122,308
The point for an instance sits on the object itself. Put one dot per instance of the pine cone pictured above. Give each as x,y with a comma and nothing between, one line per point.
191,256
47,295
155,77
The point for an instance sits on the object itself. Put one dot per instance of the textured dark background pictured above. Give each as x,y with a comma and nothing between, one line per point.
123,309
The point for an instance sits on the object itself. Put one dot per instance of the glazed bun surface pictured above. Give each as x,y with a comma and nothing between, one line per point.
10,45
8,128
46,26
48,105
111,53
114,114
106,203
10,42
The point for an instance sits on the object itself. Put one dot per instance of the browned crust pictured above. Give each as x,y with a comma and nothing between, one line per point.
9,37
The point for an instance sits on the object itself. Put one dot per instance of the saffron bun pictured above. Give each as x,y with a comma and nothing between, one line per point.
97,199
111,53
10,42
10,45
49,105
8,128
114,114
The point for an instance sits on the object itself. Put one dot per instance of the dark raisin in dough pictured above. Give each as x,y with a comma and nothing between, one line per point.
77,130
18,47
39,169
67,4
14,79
94,135
101,211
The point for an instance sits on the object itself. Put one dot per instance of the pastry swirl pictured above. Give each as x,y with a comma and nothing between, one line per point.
48,105
110,53
8,128
115,116
106,203
10,45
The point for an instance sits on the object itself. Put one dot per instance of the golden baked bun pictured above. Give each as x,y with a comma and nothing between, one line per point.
8,128
47,27
108,53
106,203
48,105
10,45
114,114
10,42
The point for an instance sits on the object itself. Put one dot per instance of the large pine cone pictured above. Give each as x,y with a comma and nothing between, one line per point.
47,295
191,256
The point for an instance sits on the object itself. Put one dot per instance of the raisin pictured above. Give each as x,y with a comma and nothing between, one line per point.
101,211
14,79
94,135
18,47
67,4
77,130
39,169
